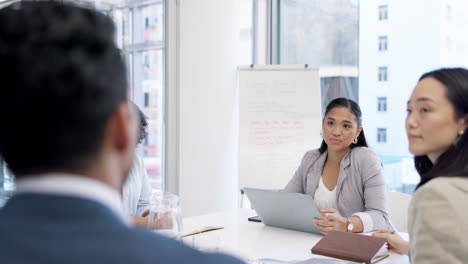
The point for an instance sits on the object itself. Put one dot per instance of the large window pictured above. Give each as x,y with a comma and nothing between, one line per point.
322,34
140,33
141,36
353,33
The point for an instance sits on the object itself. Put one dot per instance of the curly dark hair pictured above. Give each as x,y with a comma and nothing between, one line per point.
62,77
143,125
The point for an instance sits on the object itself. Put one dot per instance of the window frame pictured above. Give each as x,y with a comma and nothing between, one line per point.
383,12
382,73
381,135
383,43
382,104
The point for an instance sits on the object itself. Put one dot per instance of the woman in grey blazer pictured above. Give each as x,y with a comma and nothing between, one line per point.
436,123
343,175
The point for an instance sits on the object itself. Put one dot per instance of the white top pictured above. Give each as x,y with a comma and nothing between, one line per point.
137,189
360,186
325,198
75,186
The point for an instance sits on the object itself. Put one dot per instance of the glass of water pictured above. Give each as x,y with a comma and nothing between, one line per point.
165,216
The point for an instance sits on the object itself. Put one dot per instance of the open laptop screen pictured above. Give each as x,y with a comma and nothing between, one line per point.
286,210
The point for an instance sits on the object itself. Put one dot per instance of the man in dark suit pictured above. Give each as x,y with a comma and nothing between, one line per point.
68,134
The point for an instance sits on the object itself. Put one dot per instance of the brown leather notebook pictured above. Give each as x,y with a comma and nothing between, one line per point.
352,247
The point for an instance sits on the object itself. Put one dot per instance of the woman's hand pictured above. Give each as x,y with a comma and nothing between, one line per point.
331,220
395,241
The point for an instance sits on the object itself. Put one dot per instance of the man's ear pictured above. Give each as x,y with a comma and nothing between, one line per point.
122,128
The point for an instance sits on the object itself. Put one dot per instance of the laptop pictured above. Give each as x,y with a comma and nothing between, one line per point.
285,210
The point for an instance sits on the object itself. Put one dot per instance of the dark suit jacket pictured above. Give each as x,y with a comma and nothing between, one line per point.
48,229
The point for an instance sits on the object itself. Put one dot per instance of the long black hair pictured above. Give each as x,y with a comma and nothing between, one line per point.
356,110
454,161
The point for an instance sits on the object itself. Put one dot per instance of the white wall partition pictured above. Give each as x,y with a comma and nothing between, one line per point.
207,106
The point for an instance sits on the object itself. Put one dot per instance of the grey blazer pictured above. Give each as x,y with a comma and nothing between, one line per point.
438,225
360,189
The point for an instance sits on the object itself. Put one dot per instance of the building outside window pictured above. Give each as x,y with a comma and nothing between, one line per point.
383,12
383,43
383,74
381,135
323,34
382,104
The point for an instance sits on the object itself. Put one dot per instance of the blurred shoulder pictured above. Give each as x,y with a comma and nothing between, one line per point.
444,187
439,195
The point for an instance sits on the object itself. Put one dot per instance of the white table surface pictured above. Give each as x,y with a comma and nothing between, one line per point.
252,240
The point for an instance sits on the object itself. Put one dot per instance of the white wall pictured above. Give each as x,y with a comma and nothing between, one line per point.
207,106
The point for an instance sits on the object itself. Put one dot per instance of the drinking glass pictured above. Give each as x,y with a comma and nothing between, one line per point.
164,216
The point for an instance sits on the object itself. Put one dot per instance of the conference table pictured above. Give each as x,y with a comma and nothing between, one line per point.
253,240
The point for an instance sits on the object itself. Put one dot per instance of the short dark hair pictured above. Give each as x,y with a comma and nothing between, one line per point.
356,110
454,161
62,77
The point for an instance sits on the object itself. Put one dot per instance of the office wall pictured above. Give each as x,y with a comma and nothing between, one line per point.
207,107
